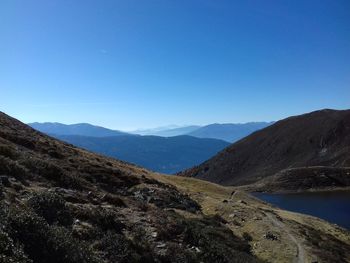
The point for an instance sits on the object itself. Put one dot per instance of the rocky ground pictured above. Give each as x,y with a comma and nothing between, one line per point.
275,235
59,203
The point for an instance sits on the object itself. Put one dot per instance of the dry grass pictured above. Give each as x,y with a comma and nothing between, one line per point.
245,214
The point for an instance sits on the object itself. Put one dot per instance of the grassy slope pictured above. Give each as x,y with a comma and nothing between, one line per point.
319,240
59,203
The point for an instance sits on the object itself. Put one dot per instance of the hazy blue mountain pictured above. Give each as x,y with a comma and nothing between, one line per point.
229,132
83,129
177,131
161,154
168,131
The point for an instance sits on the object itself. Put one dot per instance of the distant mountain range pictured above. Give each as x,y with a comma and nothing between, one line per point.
229,132
171,151
83,129
160,154
168,132
296,153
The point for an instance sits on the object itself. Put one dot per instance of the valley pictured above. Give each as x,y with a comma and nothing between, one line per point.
118,211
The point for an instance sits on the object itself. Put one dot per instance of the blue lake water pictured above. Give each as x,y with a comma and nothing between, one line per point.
331,206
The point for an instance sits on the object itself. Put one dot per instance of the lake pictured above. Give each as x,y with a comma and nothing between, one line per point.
331,206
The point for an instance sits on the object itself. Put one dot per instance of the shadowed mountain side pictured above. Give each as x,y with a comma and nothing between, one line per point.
161,154
320,138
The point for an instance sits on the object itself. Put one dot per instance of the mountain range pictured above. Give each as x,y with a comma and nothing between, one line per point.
168,131
170,152
84,129
229,132
60,203
161,154
306,151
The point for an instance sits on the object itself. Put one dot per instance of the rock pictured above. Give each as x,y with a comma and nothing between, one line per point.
270,236
225,201
241,202
196,249
154,234
232,215
161,245
256,218
76,221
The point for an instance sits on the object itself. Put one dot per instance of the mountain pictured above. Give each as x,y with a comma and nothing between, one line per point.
160,154
177,131
168,132
59,203
83,129
320,138
229,132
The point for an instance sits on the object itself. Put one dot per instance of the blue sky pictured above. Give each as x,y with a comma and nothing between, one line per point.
132,64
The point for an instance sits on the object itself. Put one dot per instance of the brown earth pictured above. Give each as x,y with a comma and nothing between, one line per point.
320,138
275,235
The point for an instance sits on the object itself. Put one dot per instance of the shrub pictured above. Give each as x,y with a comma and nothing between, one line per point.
44,243
216,242
52,207
9,252
8,151
117,248
247,237
12,168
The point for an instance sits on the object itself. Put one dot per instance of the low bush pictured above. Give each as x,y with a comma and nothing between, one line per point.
44,243
117,248
51,207
216,242
247,237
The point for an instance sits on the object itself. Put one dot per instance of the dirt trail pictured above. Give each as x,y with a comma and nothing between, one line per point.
300,257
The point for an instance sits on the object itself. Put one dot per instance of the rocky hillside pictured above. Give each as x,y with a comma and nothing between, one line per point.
320,138
60,203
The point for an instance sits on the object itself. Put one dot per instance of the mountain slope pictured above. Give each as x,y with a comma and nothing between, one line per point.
59,203
83,129
320,138
165,155
229,132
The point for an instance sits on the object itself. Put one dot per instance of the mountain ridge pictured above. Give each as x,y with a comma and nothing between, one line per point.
313,139
85,129
229,132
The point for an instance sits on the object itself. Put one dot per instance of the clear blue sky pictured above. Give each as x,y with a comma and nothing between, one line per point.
129,64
